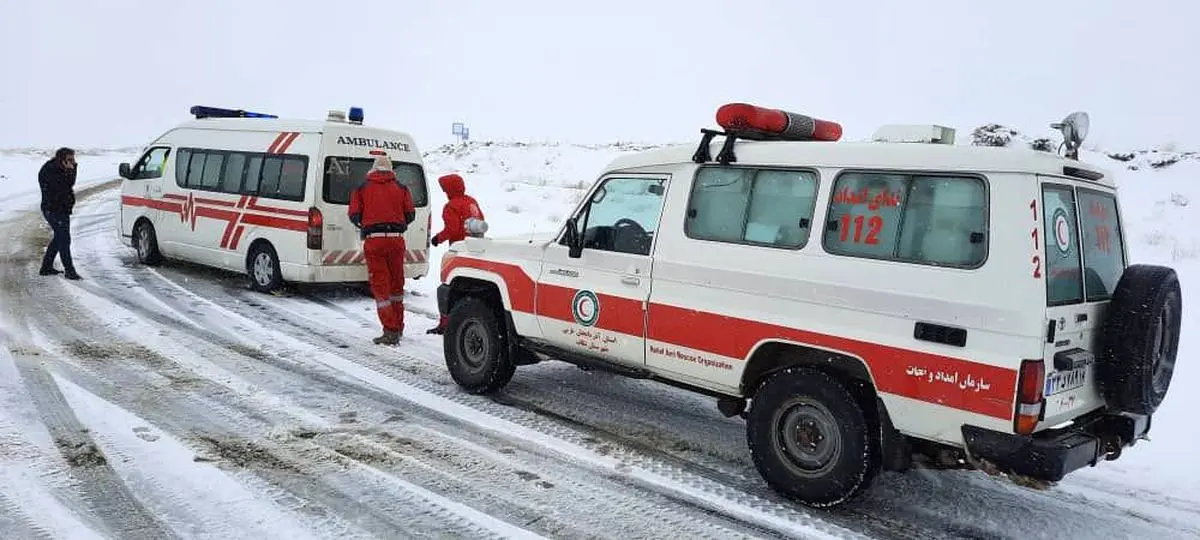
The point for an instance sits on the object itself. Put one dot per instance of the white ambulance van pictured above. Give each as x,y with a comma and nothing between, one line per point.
250,192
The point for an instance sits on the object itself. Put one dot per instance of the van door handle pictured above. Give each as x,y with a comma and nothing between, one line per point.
630,280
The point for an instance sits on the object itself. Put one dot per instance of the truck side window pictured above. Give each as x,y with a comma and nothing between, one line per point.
752,206
922,219
622,215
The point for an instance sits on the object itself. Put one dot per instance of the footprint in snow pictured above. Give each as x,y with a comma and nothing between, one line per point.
144,434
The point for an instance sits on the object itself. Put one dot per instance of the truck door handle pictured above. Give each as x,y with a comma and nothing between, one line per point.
630,280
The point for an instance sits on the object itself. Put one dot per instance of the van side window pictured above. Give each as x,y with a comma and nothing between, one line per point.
152,163
235,167
237,173
213,166
182,159
291,178
253,174
196,169
1064,283
921,219
752,206
622,215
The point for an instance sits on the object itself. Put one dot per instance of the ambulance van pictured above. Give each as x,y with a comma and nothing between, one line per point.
252,193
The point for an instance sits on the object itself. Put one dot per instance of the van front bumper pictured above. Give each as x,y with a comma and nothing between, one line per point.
1051,454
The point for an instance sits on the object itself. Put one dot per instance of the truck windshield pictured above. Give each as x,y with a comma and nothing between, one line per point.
343,174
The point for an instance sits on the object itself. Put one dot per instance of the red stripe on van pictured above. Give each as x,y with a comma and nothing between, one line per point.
287,142
931,378
127,200
274,222
237,237
275,144
253,205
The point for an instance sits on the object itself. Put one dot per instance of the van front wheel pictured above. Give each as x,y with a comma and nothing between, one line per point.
145,241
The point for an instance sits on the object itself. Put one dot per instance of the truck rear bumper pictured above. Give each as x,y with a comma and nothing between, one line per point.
1051,454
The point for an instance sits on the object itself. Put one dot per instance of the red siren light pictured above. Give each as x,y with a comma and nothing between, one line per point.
776,124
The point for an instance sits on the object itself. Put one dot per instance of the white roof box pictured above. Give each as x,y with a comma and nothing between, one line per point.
929,134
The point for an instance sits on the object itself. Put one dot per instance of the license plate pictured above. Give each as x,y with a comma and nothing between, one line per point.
1065,381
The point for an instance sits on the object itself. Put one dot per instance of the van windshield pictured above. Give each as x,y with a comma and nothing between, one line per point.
344,174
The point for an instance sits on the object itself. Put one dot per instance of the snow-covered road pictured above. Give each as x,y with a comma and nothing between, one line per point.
173,402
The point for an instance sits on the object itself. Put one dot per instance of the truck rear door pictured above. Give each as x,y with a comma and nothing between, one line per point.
1084,257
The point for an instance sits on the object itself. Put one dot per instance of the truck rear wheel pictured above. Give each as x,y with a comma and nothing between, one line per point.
810,439
476,347
1140,338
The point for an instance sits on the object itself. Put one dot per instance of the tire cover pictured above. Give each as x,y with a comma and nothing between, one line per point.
1140,339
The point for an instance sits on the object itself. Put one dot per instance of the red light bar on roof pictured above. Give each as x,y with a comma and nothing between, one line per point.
776,124
377,153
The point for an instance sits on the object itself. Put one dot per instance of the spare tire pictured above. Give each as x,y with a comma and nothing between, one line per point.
1139,339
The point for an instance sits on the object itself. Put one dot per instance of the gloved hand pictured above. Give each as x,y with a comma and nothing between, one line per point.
435,241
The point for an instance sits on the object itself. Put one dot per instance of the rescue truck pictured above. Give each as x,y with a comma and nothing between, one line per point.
250,192
864,306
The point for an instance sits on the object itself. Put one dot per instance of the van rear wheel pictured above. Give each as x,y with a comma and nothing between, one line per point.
810,439
262,265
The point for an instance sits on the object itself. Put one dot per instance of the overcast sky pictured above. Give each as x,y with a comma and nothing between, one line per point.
120,72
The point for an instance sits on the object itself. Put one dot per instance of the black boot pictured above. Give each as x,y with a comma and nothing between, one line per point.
71,275
48,272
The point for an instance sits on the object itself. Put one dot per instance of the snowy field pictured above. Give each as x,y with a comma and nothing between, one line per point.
174,403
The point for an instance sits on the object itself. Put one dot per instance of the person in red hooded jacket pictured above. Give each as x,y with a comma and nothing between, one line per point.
461,217
382,208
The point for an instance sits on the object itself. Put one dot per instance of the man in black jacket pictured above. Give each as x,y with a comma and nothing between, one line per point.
57,179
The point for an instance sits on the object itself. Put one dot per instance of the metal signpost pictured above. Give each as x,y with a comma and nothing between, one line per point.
460,130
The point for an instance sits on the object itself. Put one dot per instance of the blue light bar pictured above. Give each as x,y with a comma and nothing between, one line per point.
356,114
200,111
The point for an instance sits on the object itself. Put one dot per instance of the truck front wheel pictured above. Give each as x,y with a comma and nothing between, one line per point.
810,439
476,347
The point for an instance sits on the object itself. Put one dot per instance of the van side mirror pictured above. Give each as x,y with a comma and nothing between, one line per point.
125,171
574,239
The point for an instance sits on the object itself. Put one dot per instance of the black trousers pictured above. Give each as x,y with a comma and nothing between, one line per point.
60,245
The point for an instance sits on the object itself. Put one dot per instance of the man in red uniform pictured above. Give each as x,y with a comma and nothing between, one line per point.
382,208
462,218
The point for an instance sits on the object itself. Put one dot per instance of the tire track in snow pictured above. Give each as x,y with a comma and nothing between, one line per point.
651,474
681,523
67,321
389,492
104,492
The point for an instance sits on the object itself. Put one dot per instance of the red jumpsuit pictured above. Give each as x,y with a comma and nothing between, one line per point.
383,209
459,207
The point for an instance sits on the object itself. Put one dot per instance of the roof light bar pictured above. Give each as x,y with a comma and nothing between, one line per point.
201,111
750,122
775,124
